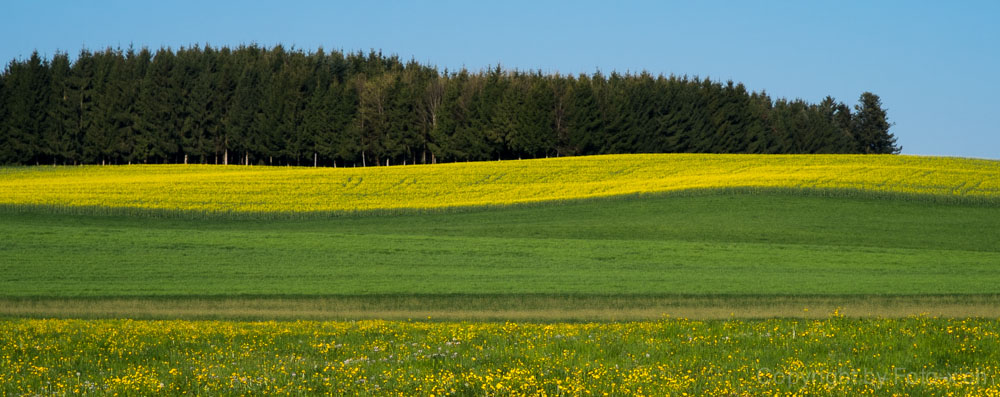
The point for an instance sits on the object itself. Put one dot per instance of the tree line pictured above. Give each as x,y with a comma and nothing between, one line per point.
255,105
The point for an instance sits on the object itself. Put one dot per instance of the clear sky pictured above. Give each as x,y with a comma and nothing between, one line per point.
933,63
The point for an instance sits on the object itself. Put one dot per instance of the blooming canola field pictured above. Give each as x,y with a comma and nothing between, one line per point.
241,189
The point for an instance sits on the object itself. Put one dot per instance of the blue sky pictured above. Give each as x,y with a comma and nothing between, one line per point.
933,63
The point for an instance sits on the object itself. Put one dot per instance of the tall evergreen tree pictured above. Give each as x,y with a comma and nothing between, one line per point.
59,140
406,123
5,156
756,130
452,117
122,96
222,100
26,106
562,96
159,109
537,137
871,126
479,135
243,128
508,125
584,124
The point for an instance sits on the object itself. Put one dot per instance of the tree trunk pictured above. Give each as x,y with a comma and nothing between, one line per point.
315,159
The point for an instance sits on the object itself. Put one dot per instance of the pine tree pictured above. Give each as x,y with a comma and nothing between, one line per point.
200,127
479,135
406,124
539,135
222,98
57,137
99,137
5,156
316,123
123,95
81,95
757,136
159,109
445,143
585,123
27,87
871,126
345,102
619,112
835,134
242,124
562,95
507,126
190,101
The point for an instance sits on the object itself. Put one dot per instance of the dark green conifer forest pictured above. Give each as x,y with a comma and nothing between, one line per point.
275,106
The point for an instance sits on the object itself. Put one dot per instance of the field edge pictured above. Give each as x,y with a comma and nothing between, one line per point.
500,307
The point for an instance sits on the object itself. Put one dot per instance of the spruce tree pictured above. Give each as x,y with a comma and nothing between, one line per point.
584,122
5,155
451,115
81,96
871,126
27,101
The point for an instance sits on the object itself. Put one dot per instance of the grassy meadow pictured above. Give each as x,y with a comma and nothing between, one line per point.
767,244
832,356
638,274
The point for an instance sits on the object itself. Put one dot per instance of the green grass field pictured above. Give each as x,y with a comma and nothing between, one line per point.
668,248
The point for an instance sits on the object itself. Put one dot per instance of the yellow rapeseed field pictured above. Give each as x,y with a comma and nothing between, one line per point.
213,188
